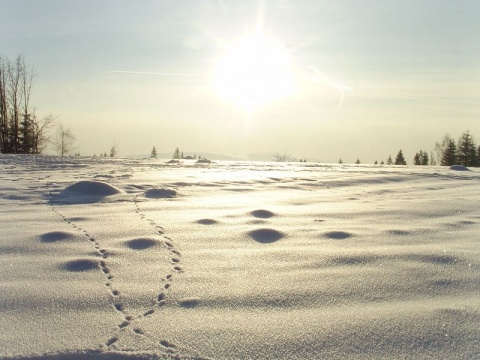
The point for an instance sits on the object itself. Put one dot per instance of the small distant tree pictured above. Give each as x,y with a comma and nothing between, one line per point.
416,159
340,161
389,160
113,150
420,158
282,157
64,140
466,150
382,163
176,154
357,162
449,155
433,162
400,159
376,162
153,154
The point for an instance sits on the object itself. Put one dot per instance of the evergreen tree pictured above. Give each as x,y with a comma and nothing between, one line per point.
389,160
416,159
376,162
449,155
382,163
358,162
176,154
466,150
153,154
424,158
400,160
340,161
421,158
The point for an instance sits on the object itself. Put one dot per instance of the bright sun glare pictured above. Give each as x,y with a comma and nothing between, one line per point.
254,71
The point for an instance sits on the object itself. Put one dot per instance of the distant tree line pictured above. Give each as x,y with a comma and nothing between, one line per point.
21,132
448,152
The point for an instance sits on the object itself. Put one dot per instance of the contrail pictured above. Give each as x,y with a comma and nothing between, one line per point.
73,91
342,89
153,73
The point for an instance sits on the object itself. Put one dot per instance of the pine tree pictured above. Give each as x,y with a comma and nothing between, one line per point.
424,158
389,160
400,160
449,155
113,151
421,158
340,161
176,154
153,154
466,150
416,159
358,162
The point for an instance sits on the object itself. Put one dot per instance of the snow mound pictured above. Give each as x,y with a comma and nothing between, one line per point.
266,236
262,214
207,221
338,235
141,243
160,193
91,188
81,265
54,236
459,168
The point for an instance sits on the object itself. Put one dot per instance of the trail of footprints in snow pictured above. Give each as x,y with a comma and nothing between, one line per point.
160,299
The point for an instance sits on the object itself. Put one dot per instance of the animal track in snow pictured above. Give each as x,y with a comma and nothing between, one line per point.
144,243
91,264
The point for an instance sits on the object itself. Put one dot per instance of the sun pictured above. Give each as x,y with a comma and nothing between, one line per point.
253,71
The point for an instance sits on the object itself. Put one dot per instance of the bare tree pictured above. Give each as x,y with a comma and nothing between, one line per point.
40,138
28,123
20,131
14,97
4,145
282,157
64,141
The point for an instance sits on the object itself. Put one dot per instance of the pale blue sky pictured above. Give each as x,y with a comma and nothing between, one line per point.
409,72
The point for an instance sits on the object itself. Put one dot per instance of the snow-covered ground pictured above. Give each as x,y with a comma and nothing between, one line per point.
139,259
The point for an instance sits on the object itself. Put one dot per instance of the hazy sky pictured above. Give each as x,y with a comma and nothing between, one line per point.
371,77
